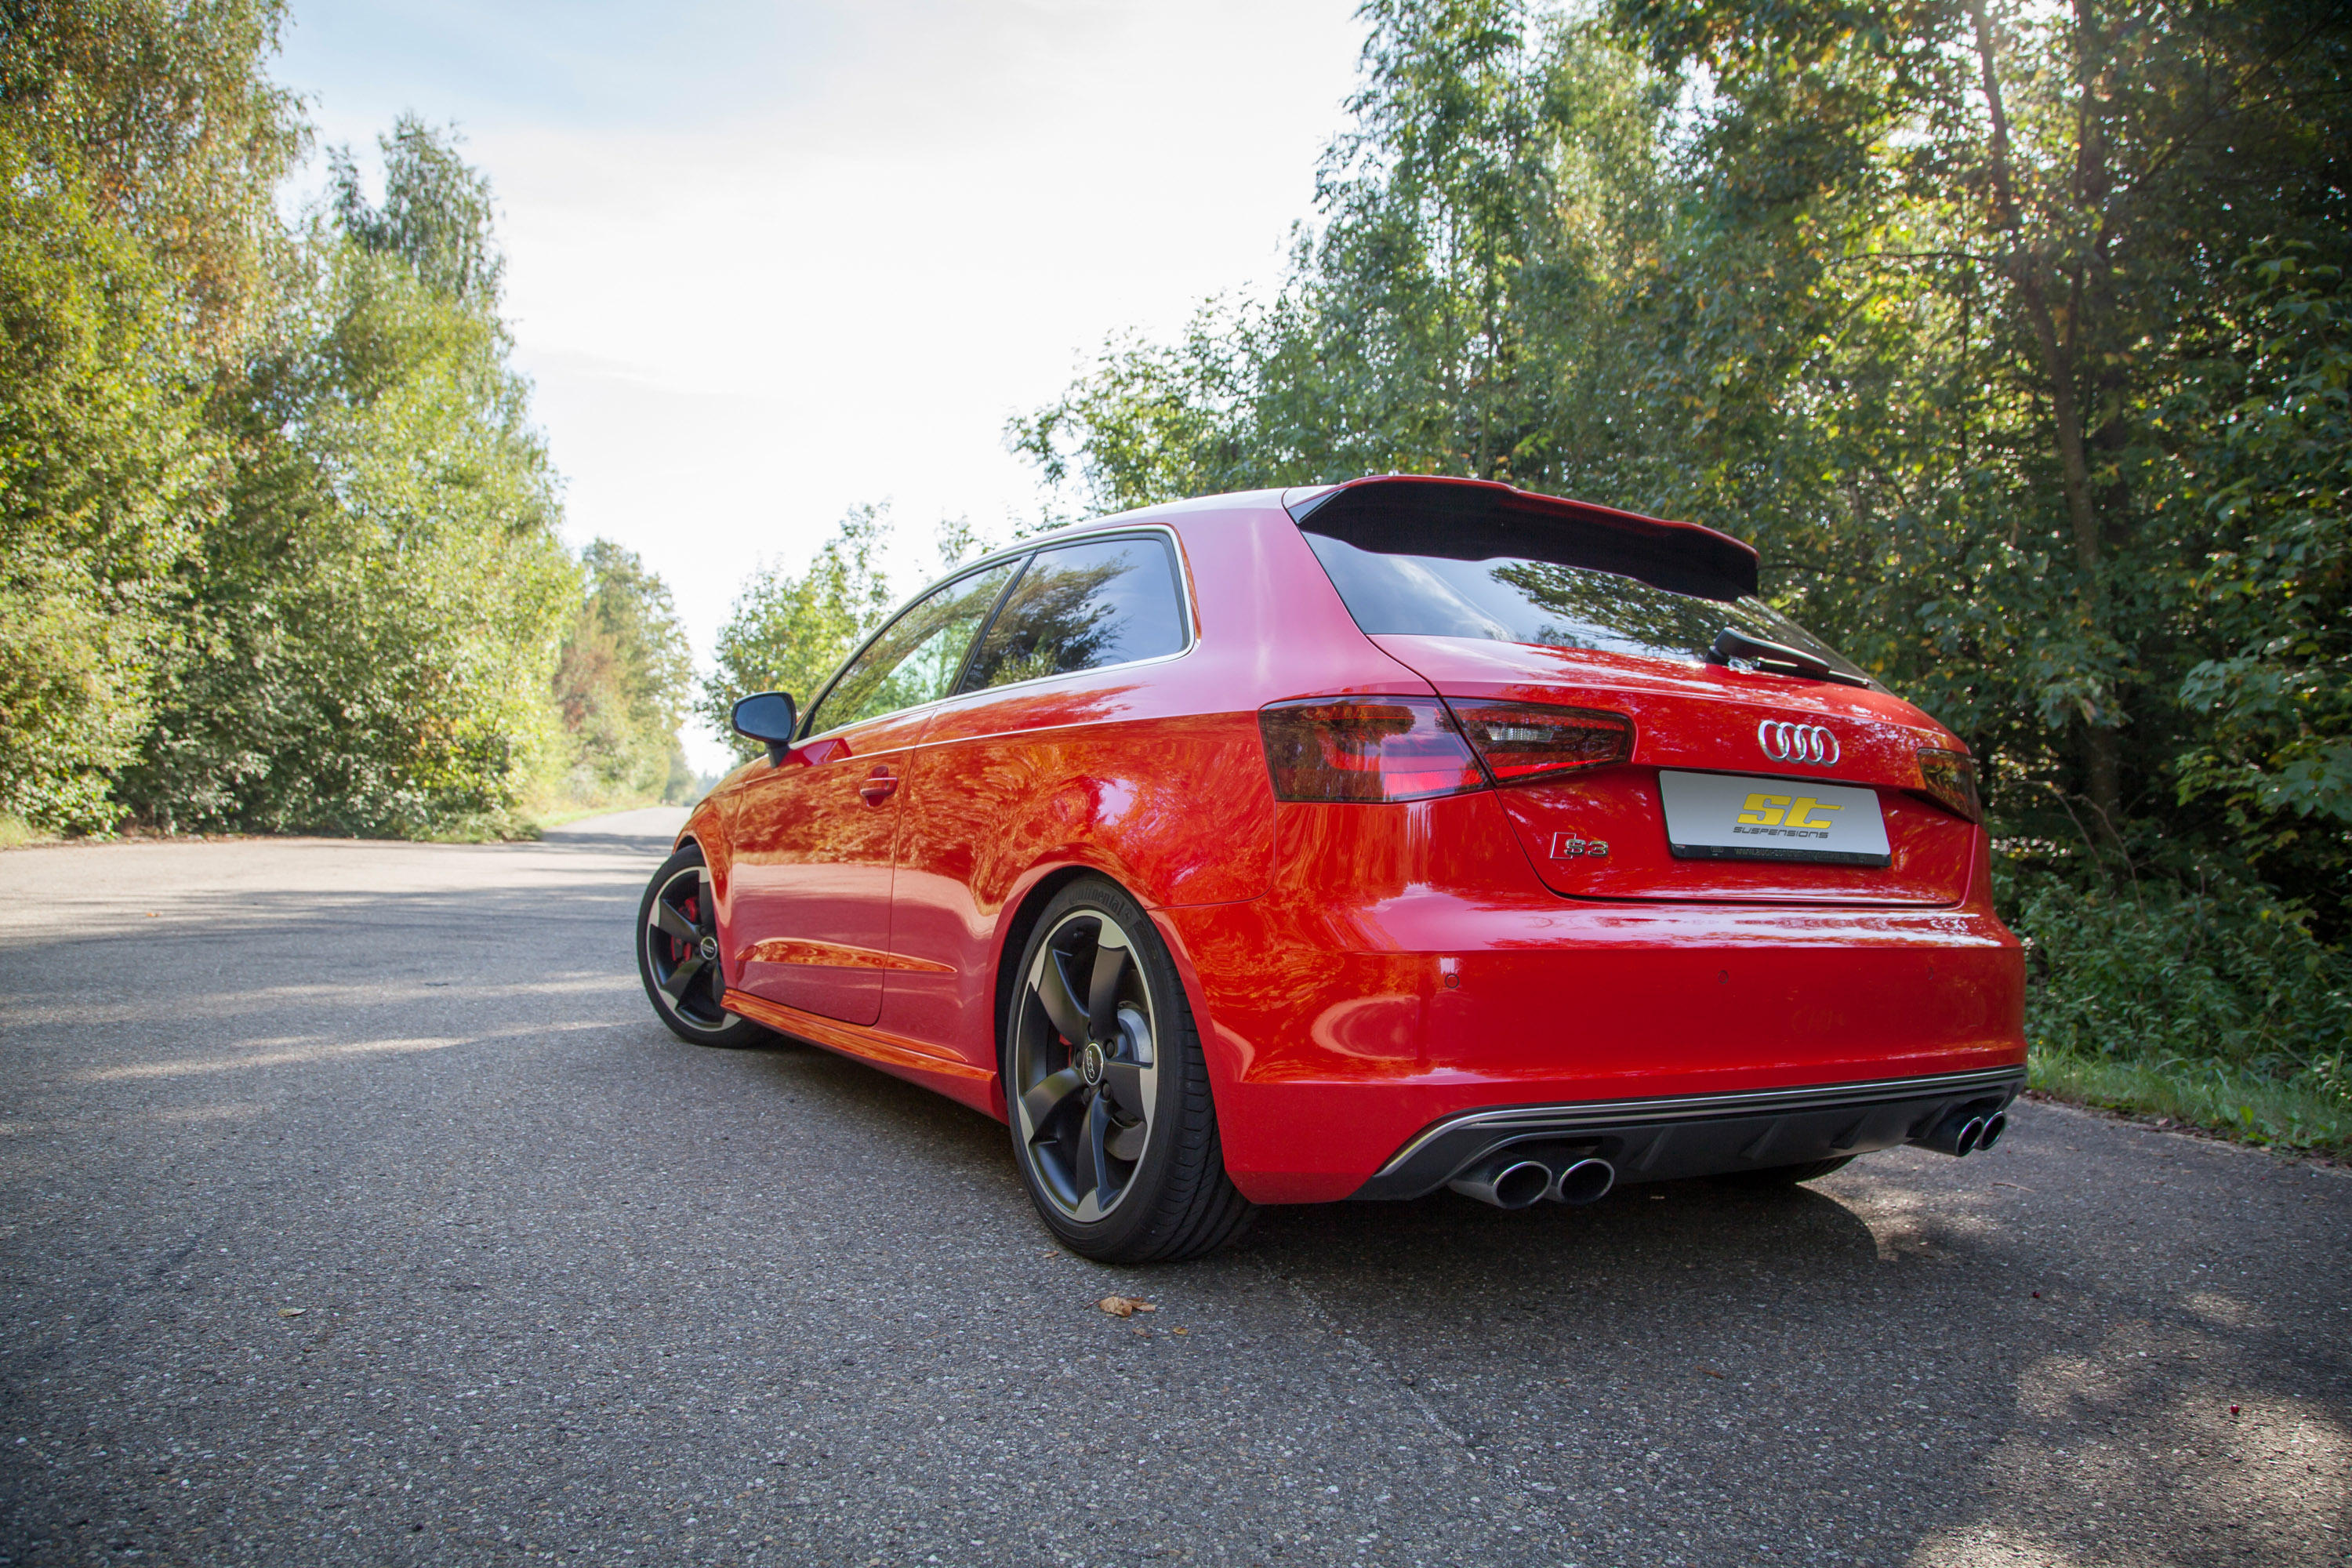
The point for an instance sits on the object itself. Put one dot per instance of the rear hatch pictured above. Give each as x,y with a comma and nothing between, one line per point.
1739,784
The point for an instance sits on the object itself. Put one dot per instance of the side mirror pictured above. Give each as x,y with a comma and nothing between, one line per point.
768,716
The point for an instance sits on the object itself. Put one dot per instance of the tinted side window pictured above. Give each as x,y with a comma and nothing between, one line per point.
1081,607
915,656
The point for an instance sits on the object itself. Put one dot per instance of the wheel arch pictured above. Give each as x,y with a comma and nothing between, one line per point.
1020,918
706,829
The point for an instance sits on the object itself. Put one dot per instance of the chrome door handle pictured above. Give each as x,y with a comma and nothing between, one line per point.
878,786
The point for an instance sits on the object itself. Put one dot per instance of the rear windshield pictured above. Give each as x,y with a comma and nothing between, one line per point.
1515,599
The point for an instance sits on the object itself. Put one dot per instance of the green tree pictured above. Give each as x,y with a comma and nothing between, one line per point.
1946,309
2028,223
376,616
621,684
160,112
1458,311
788,631
139,146
102,460
438,214
2273,471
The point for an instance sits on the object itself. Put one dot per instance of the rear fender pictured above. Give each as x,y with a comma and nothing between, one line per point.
1021,911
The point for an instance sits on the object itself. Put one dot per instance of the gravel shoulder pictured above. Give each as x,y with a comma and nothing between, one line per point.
356,1210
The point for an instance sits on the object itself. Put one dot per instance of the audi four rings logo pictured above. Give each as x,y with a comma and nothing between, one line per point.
1784,742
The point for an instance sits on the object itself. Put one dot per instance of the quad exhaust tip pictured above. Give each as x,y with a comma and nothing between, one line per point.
1515,1183
1968,1131
1518,1181
1585,1182
1506,1183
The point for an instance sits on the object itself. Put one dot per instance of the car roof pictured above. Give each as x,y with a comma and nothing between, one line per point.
1459,514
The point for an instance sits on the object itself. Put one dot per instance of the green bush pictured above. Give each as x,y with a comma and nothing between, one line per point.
2215,1004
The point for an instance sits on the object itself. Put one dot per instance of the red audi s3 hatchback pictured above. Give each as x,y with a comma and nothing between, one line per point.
1355,842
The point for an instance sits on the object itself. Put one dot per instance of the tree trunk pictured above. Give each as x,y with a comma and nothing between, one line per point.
2061,363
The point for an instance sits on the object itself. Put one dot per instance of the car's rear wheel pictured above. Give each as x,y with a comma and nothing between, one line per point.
678,955
1105,1090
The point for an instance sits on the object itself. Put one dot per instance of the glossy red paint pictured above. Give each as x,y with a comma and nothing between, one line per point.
812,847
1172,807
1359,971
1378,988
899,1057
1704,717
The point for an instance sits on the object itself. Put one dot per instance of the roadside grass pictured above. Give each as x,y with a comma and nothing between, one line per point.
541,821
2210,1004
486,827
2214,1097
15,833
534,816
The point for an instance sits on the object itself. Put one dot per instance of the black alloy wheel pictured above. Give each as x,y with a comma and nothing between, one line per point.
678,955
1106,1091
1088,1070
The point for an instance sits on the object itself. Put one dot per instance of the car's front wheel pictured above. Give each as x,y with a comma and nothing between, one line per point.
1105,1090
678,955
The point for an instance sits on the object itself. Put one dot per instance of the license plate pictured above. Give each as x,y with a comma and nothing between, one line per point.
1722,816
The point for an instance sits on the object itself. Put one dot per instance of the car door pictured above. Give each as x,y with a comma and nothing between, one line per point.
815,839
1042,722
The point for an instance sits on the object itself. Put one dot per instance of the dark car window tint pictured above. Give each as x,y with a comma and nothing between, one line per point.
1512,599
916,655
1081,607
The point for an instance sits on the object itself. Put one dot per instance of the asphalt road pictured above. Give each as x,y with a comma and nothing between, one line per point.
357,1211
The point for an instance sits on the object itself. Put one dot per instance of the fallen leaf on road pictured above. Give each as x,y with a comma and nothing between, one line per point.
1180,1330
1712,1373
292,1311
1125,1306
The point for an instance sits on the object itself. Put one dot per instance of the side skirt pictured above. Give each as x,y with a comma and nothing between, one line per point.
900,1057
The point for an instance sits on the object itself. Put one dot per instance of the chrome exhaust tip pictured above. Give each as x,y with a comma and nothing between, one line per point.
1584,1182
1995,1125
1957,1134
1506,1183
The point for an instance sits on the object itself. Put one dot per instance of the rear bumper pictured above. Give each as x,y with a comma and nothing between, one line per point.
1696,1135
1367,1002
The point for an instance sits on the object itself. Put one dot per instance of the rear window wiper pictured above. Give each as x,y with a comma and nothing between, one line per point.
1731,644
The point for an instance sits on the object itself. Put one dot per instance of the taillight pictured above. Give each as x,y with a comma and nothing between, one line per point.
1415,748
1366,749
1949,779
1525,740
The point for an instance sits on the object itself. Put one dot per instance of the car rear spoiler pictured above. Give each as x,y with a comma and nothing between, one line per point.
1479,520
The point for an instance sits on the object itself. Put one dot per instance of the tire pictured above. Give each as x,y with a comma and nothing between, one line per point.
1114,1132
677,957
1785,1175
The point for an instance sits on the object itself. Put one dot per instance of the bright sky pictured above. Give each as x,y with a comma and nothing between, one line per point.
767,262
